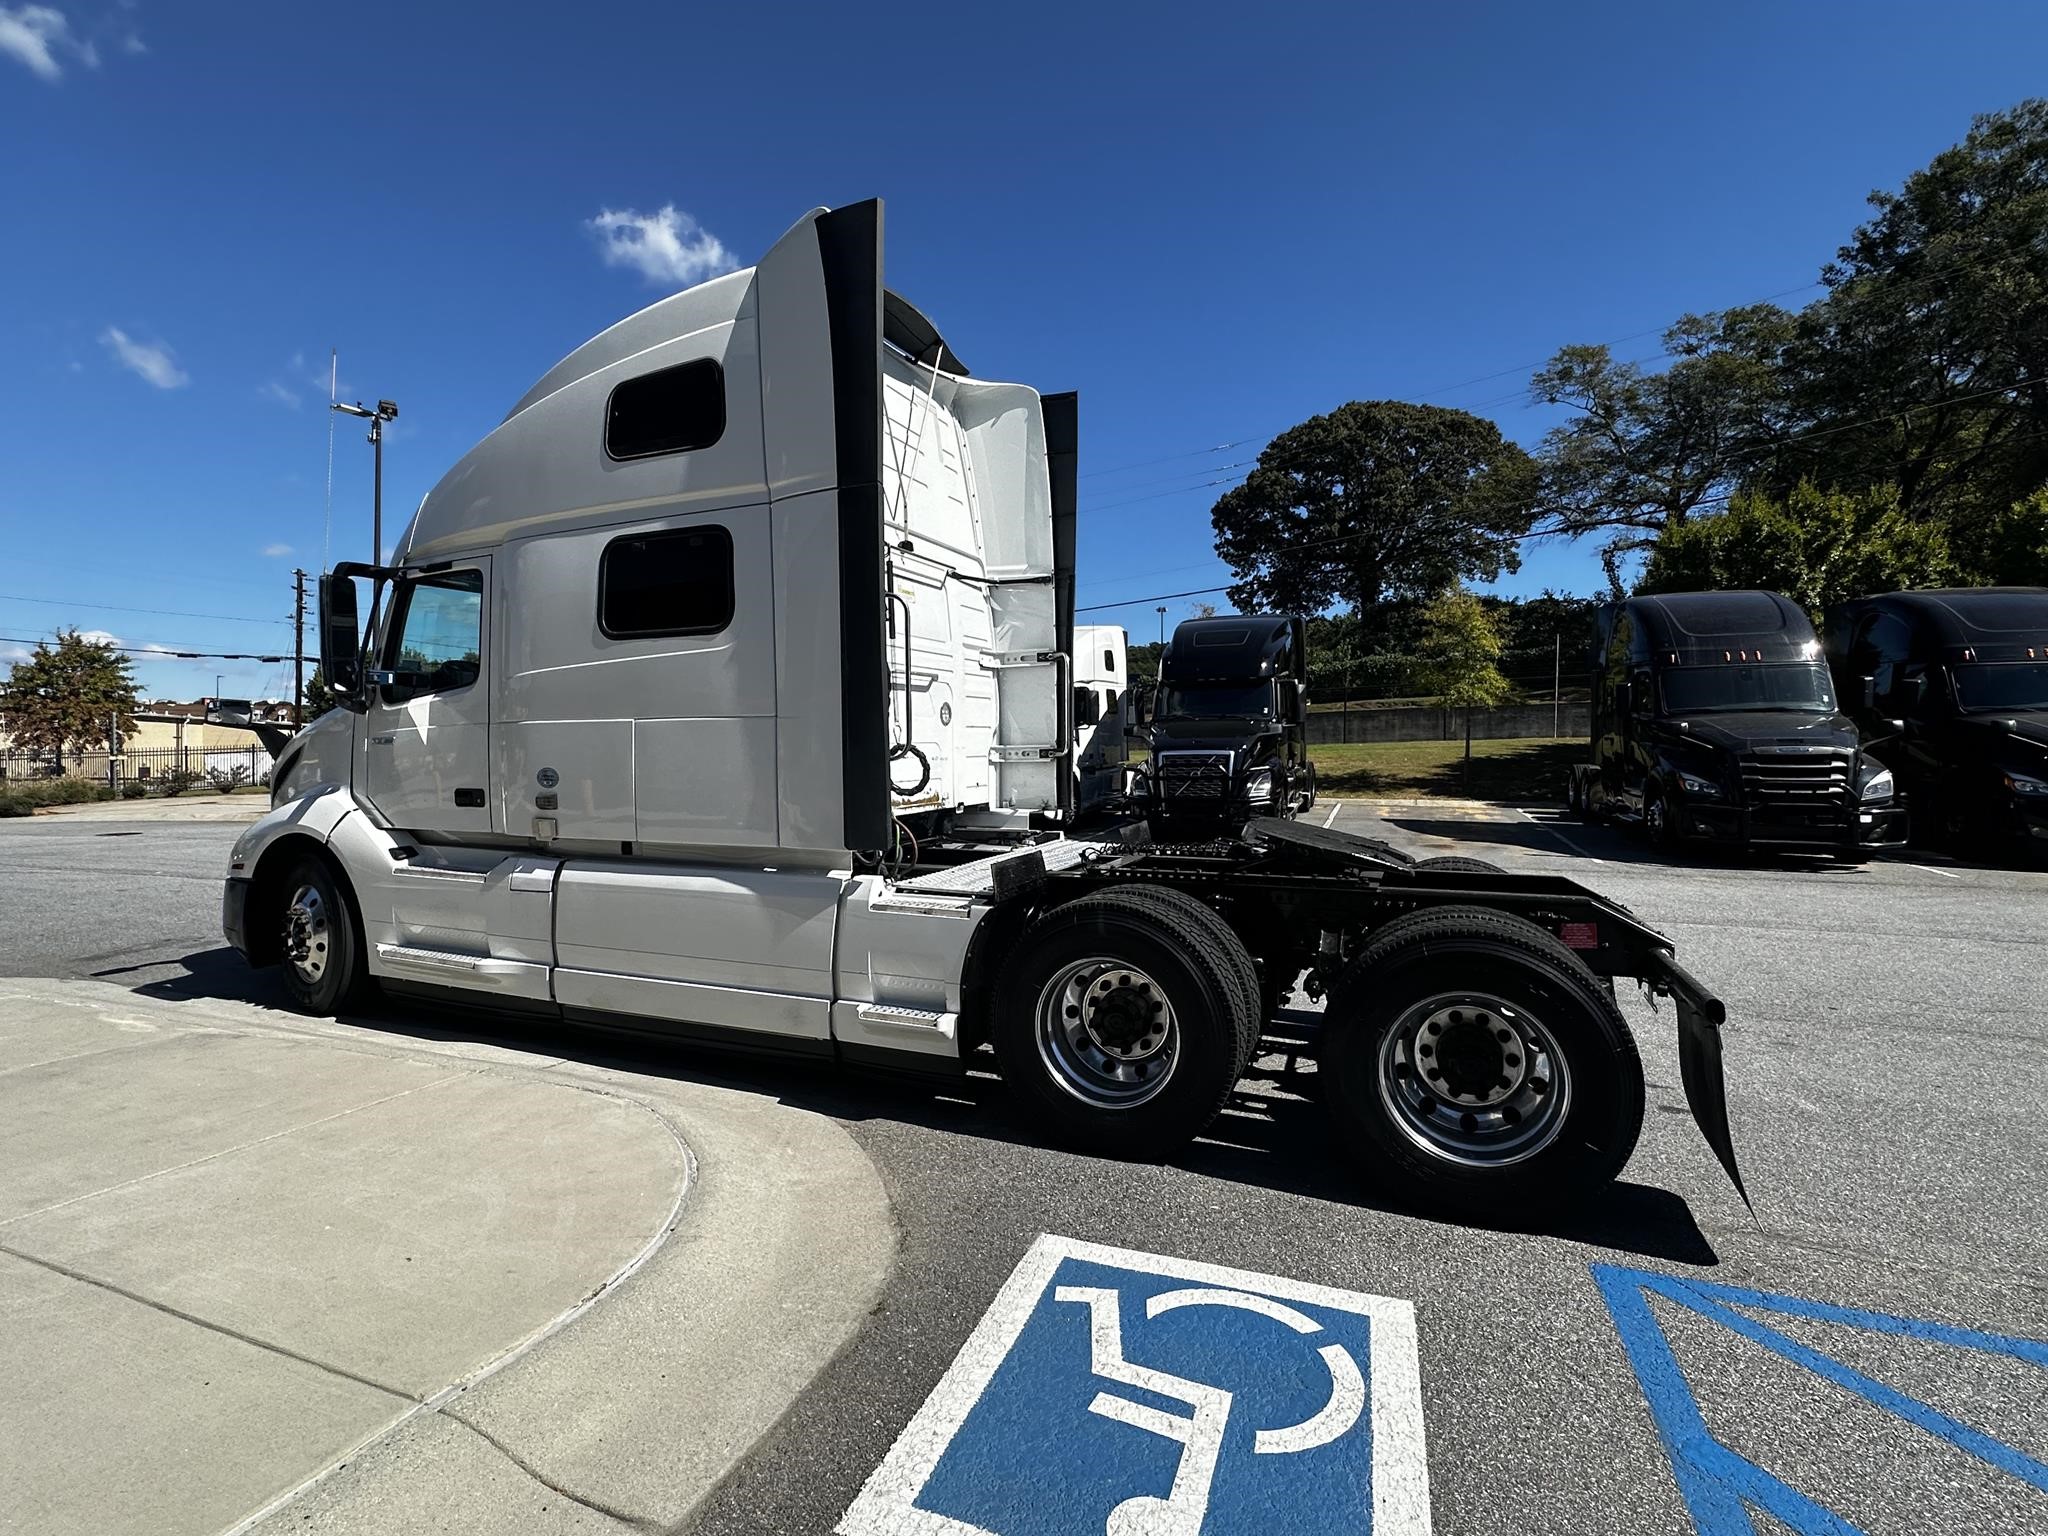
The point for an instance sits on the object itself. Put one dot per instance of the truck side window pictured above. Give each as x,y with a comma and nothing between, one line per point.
1642,694
440,633
1109,700
675,582
671,410
1086,709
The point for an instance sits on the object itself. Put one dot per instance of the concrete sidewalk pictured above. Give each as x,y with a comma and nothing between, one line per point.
259,1272
196,806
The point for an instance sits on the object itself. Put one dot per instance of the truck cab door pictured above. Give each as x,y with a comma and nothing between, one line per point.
426,731
1635,725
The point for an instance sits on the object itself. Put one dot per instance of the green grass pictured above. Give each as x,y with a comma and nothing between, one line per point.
1528,769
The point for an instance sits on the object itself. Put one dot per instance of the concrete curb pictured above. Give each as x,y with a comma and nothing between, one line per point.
216,808
625,1410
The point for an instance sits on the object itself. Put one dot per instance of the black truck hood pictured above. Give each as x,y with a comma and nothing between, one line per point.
2020,737
1208,735
1764,729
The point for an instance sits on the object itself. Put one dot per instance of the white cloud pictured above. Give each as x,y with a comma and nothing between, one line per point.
10,654
277,551
98,637
151,362
283,394
151,651
668,246
132,43
38,36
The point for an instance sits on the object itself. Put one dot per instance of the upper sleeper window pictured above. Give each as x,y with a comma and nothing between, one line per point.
676,582
669,411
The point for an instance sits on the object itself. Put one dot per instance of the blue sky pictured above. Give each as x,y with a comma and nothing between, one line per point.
1212,222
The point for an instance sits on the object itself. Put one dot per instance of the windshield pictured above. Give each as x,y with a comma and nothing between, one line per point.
1794,686
1216,701
1996,685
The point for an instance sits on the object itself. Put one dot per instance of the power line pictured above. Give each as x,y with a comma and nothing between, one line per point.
163,652
176,613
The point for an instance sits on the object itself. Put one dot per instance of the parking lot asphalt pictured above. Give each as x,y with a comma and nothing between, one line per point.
1861,1344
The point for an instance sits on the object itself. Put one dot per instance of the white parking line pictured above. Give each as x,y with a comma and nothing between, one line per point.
1931,870
1551,828
1334,809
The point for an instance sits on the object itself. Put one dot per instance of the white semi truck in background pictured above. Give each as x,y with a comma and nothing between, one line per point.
724,692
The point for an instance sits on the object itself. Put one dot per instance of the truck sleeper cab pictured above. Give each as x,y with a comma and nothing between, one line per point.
1950,688
1714,721
723,692
1228,726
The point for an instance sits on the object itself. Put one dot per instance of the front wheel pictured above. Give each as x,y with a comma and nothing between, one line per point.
320,947
1476,1067
1124,1022
1659,823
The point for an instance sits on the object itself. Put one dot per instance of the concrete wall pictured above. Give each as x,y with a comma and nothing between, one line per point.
1427,722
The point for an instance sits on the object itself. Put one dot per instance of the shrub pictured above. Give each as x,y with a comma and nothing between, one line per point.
175,781
25,797
134,789
228,780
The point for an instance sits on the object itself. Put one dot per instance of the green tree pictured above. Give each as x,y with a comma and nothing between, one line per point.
1459,656
1376,499
62,697
1814,546
1645,451
1926,363
319,697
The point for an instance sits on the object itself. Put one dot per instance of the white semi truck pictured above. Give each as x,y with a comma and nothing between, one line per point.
723,692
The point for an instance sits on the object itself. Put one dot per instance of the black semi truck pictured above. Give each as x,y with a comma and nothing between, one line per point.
1714,720
1951,691
1227,726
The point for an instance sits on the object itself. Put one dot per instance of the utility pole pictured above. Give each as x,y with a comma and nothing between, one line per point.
298,650
1162,627
1556,682
387,410
113,753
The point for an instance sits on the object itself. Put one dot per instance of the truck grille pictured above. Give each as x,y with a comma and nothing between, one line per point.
1194,775
1796,780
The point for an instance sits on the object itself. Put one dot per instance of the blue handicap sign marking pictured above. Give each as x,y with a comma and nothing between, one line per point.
1123,1393
1720,1486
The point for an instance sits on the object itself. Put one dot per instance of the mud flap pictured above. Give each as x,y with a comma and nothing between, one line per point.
1700,1014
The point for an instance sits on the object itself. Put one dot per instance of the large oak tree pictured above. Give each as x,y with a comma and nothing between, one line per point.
1377,499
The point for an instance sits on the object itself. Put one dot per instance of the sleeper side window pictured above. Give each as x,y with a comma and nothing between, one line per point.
438,634
674,582
671,410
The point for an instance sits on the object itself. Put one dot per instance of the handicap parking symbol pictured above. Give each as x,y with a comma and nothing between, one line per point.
1122,1393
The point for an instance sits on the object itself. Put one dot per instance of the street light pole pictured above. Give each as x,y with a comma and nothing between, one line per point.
1162,626
387,410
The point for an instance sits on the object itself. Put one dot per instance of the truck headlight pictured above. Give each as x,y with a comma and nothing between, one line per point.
1259,784
1874,782
2020,784
1693,784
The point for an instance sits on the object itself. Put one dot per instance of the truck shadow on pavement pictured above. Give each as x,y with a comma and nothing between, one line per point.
1268,1137
1614,845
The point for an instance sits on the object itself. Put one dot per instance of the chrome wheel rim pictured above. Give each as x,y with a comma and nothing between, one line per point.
1653,818
1474,1080
308,935
1107,1033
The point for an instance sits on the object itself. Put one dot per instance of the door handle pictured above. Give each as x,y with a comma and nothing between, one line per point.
382,741
469,797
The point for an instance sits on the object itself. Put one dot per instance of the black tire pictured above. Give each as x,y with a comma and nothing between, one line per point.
1658,825
1245,978
1458,864
1486,971
1190,962
316,916
1575,795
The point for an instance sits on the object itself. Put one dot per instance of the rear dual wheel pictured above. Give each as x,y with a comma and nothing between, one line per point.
1477,1068
1124,1019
